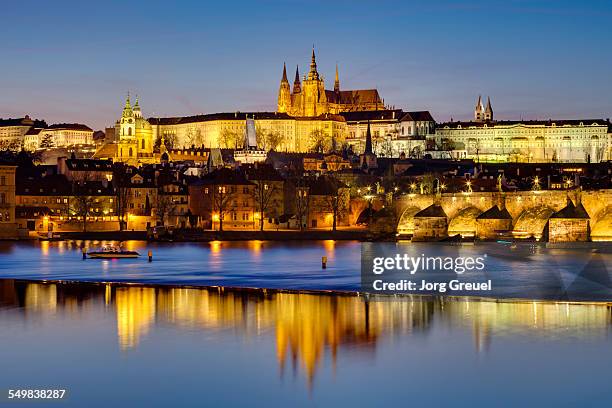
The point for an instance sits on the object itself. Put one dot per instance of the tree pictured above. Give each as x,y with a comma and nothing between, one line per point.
81,207
263,195
121,182
169,141
385,147
47,141
426,185
319,142
164,206
222,196
302,200
274,140
337,204
230,139
122,200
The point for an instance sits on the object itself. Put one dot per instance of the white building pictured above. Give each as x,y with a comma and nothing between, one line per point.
528,141
394,132
13,131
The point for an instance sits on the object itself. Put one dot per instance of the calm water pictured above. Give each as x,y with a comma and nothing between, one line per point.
527,271
114,345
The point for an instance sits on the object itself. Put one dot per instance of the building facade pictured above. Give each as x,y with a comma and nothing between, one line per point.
528,141
13,131
8,225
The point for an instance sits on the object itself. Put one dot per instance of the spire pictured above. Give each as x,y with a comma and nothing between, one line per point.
313,74
479,104
296,82
284,79
337,81
368,145
488,114
127,109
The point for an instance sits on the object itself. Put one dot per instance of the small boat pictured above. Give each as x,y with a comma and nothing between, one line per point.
111,252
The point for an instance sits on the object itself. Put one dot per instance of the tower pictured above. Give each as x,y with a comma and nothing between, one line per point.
284,93
297,86
488,113
127,124
134,135
479,110
368,158
313,101
337,81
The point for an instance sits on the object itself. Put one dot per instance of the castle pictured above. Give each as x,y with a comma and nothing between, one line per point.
309,98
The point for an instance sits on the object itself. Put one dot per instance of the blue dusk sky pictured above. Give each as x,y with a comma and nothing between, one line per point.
75,61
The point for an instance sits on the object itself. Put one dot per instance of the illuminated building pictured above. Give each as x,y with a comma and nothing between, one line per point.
485,139
8,225
134,141
310,98
13,131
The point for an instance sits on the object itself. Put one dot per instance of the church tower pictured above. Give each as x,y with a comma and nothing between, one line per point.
488,113
284,93
134,135
314,101
479,110
297,86
337,82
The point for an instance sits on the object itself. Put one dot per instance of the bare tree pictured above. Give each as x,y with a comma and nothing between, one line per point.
122,200
302,200
222,196
230,139
337,205
319,142
263,195
274,140
81,207
164,206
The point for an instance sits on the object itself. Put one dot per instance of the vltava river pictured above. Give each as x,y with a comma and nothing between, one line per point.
525,271
115,345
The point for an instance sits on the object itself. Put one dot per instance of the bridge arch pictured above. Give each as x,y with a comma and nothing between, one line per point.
405,224
464,222
601,225
532,221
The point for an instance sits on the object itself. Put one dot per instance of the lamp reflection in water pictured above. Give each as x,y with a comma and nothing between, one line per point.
307,329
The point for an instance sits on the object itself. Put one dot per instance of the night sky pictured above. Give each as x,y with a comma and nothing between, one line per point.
74,62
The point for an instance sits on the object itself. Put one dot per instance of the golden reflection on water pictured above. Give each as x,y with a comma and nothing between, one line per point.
307,327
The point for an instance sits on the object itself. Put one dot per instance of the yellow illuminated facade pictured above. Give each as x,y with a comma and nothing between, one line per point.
529,141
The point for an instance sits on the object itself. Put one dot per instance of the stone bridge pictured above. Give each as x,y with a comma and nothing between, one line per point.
530,210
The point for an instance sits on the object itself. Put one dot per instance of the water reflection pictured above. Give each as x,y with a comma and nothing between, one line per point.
307,328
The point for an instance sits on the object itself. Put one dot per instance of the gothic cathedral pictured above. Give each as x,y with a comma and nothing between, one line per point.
309,98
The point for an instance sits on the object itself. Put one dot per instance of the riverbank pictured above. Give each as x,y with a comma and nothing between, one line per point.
206,236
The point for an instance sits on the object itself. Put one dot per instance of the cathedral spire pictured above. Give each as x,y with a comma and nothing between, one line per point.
284,79
313,74
368,143
296,83
488,113
337,81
